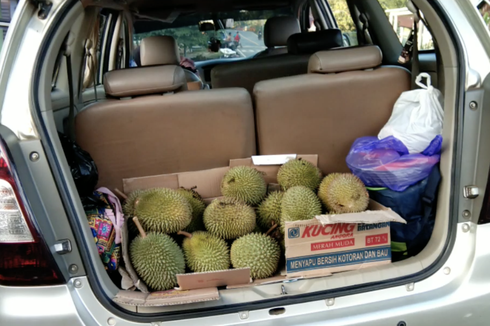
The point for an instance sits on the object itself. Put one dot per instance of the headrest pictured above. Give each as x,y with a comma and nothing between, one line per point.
278,29
346,59
159,50
144,81
309,43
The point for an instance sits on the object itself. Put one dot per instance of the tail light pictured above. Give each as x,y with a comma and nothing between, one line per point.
24,256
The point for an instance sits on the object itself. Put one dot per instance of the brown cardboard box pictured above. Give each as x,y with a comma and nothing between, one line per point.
341,242
166,298
207,184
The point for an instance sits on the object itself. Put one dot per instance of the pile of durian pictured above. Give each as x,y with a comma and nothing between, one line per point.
244,228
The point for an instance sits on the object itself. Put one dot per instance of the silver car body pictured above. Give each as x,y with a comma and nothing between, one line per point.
457,293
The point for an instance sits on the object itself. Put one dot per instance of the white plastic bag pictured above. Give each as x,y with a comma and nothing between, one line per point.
417,117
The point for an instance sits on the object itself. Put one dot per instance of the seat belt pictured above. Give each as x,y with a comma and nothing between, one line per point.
365,29
415,48
70,128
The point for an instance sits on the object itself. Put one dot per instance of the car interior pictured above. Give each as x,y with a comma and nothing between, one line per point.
299,91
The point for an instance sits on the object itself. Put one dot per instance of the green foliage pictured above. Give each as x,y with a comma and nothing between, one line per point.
342,15
392,4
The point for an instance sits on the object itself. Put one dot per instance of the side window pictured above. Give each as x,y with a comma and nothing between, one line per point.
484,9
102,30
344,20
92,63
7,11
311,21
402,21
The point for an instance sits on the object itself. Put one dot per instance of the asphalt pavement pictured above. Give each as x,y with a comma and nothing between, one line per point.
250,43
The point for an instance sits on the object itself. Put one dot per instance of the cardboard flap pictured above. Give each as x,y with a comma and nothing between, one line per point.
207,182
166,298
140,285
175,297
213,279
376,213
156,181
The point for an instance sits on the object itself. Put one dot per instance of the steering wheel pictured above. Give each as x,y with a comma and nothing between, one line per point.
193,80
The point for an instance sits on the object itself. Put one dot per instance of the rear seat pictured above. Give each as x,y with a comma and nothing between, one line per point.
138,132
300,47
345,95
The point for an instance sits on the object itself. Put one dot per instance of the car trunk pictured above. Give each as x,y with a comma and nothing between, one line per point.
55,110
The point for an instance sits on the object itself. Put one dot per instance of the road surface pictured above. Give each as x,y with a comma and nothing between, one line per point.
250,42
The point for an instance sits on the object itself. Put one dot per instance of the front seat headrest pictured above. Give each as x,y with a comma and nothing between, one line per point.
159,50
309,43
278,29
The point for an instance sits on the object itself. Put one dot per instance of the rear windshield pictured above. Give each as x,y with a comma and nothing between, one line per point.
240,34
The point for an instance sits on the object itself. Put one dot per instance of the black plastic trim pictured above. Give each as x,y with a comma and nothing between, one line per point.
270,303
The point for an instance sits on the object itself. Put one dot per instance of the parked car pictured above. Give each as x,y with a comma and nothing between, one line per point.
64,68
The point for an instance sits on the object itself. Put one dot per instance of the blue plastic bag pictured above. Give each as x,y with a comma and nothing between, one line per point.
387,163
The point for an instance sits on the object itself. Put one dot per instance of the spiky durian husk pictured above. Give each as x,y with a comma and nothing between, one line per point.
163,210
244,183
346,193
299,172
229,218
157,259
197,206
269,211
258,251
205,252
299,203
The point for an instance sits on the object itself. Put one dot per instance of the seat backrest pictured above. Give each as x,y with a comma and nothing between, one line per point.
345,96
131,135
300,46
277,30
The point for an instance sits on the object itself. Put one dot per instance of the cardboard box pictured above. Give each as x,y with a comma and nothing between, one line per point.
342,242
208,184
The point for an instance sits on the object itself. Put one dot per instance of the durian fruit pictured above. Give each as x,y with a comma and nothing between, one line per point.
197,205
299,203
229,218
269,211
205,252
163,210
299,172
157,259
244,183
129,204
322,190
258,251
346,193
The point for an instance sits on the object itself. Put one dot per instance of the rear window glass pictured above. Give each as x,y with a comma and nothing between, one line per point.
484,9
402,21
240,33
342,15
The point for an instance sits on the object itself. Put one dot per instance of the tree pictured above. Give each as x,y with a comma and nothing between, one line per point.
342,15
392,4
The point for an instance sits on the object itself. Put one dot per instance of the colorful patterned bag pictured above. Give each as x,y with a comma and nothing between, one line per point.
105,218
